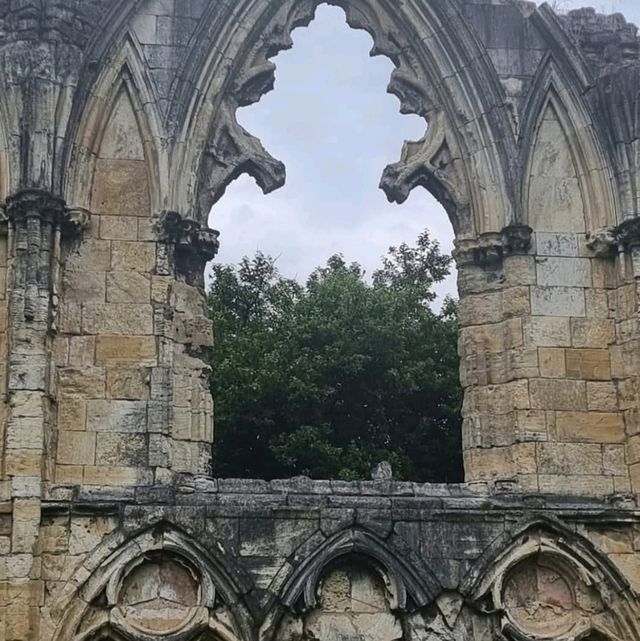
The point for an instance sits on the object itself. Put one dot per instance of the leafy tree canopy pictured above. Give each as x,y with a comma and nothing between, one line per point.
331,378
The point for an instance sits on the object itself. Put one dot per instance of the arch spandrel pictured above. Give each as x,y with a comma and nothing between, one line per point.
441,75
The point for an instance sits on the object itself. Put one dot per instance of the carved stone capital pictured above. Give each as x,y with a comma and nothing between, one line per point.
45,207
628,233
185,247
188,234
35,203
489,250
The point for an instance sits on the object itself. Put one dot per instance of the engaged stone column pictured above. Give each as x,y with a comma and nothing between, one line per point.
36,221
625,360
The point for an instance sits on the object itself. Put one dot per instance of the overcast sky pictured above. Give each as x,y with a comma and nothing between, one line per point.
332,123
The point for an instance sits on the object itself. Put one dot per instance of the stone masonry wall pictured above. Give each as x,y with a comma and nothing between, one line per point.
118,136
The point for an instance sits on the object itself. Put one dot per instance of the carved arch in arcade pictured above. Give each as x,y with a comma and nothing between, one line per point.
579,594
362,569
465,159
158,586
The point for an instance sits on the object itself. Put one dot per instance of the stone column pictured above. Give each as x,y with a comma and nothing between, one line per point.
626,353
36,222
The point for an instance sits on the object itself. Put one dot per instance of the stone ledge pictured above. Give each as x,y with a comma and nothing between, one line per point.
391,499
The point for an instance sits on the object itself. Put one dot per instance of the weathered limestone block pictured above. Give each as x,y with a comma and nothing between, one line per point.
105,410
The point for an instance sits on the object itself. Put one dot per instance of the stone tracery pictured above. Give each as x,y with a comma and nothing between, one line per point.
115,141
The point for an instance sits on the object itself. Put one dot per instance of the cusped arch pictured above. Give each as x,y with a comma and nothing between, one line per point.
407,587
91,114
565,551
442,74
96,581
557,89
409,583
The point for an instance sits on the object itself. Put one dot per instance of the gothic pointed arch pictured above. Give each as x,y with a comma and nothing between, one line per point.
407,587
187,591
465,158
567,180
577,589
120,105
299,592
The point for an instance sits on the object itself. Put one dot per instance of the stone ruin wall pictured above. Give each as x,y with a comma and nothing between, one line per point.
117,136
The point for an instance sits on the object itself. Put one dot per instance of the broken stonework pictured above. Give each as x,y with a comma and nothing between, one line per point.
117,136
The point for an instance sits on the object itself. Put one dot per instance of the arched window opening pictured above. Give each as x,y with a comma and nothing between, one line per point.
333,354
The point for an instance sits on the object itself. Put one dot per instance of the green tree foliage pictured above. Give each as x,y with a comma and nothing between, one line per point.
329,379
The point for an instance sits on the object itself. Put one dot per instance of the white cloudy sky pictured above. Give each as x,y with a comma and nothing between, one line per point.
333,124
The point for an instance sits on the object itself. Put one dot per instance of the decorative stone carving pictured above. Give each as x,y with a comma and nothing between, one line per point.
403,584
188,245
353,604
603,242
160,596
159,585
37,217
628,232
541,597
489,249
434,162
429,163
231,152
554,585
129,108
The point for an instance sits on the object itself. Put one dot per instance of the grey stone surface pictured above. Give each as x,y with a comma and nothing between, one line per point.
118,133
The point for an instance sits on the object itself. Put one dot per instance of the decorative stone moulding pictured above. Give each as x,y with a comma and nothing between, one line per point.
39,220
628,233
543,597
185,232
490,249
442,161
407,589
159,596
603,242
192,245
627,236
76,221
550,588
159,586
39,204
35,203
